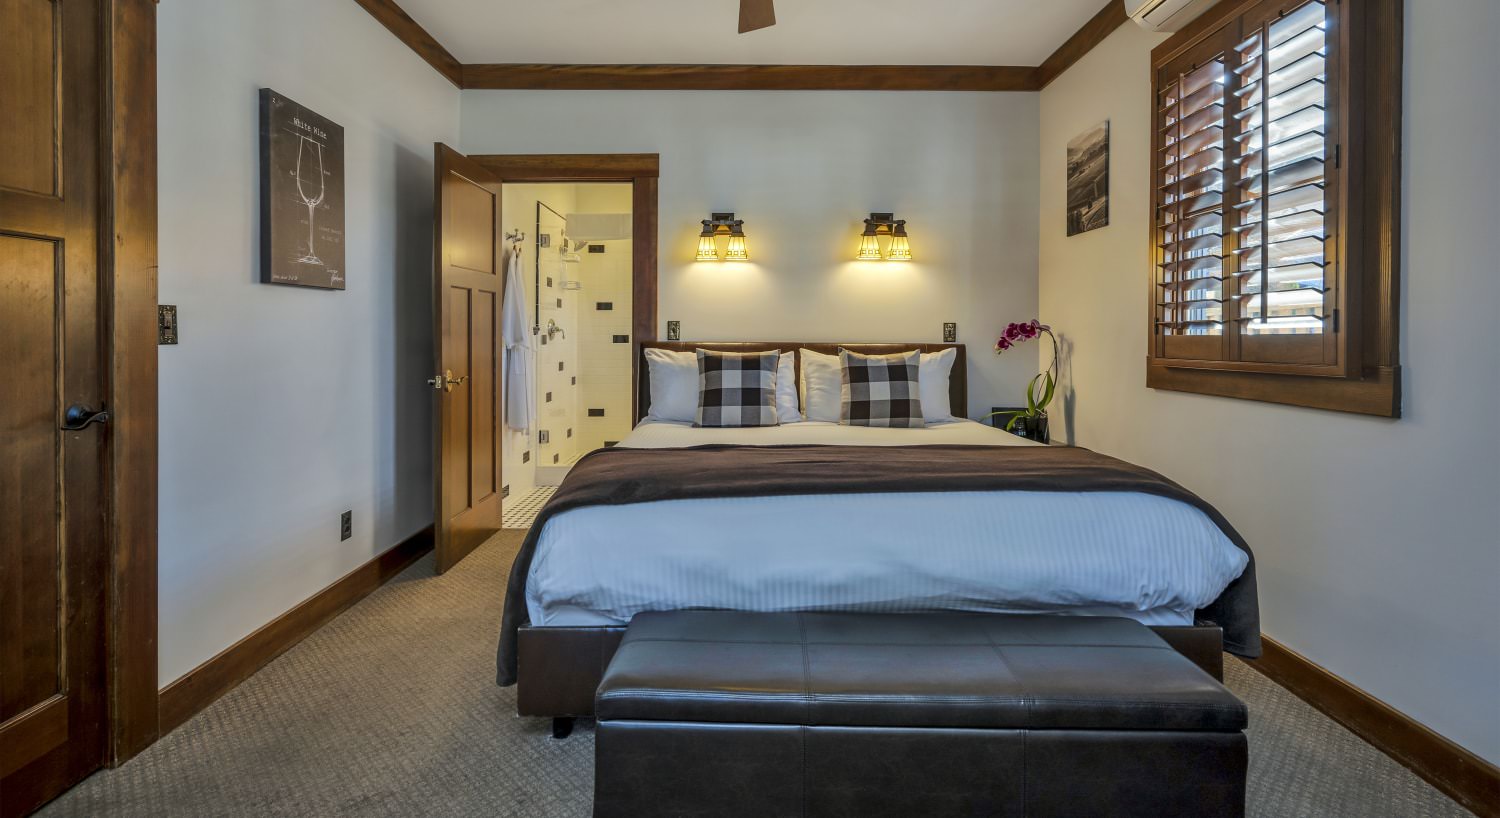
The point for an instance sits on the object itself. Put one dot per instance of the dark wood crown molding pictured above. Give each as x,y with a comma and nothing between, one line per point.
540,76
670,77
1101,25
395,18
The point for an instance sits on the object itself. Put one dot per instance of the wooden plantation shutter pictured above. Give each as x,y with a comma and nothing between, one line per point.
1251,214
1284,178
1189,316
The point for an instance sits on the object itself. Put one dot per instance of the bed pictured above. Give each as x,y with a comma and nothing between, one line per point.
982,541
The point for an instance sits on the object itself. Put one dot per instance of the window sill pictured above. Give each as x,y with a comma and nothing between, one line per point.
1378,393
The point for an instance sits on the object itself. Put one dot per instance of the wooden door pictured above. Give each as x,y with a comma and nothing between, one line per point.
54,552
468,287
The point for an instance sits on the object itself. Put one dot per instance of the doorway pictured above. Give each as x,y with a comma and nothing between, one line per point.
573,242
582,230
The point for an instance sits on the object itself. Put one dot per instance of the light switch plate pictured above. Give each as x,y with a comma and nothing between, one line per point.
166,324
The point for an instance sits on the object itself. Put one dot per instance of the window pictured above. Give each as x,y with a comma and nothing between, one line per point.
1274,205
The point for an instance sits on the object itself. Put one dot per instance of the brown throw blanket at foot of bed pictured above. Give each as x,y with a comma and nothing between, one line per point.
619,476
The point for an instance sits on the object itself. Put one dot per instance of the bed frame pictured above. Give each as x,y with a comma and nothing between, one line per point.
559,668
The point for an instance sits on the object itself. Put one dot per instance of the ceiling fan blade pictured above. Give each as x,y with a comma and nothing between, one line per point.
756,14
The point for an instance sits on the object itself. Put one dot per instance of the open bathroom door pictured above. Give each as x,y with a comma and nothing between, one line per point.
468,290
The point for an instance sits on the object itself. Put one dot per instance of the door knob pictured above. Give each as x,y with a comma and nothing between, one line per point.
447,381
79,415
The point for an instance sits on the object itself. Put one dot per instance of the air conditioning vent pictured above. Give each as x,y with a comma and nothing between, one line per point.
1165,15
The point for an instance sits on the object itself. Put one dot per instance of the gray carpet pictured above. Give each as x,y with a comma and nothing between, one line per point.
391,710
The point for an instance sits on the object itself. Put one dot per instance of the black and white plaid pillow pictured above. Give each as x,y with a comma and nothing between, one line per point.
736,388
881,390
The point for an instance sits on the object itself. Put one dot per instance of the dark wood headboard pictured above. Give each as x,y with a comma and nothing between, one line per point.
958,381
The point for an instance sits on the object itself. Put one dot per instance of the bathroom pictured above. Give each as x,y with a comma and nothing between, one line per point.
572,241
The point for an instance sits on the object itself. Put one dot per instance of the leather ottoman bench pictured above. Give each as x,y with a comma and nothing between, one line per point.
718,713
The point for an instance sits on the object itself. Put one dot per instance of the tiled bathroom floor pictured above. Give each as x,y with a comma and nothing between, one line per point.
522,512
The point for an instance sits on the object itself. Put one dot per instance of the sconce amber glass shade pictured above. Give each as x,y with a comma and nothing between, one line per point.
707,250
737,251
900,249
869,248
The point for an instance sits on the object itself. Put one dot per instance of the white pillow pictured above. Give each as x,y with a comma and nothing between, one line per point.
786,389
822,386
933,371
674,385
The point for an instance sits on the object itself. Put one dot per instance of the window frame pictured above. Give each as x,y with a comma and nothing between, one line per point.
1355,368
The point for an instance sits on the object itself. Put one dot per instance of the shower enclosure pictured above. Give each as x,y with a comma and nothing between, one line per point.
577,266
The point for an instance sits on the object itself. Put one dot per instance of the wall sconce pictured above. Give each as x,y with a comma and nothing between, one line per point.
884,224
723,224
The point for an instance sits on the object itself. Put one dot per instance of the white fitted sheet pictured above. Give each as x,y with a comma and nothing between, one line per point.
1100,553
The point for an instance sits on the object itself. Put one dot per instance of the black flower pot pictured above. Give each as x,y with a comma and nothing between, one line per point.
1033,428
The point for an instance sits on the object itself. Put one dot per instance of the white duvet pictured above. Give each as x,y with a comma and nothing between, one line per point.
1126,554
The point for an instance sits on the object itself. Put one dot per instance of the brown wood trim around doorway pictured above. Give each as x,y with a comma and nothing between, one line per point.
128,257
642,170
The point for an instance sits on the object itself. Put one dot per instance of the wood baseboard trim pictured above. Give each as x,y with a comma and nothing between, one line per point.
1458,773
187,696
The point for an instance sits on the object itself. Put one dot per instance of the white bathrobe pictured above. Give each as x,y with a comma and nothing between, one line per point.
516,331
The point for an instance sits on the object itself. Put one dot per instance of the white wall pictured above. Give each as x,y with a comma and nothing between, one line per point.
1378,541
803,169
282,406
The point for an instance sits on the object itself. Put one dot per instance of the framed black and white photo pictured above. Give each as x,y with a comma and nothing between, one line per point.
301,195
1088,180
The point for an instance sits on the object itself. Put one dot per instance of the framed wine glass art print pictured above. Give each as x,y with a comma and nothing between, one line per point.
301,195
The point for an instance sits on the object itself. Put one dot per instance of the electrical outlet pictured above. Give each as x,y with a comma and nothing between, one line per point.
346,525
674,330
950,333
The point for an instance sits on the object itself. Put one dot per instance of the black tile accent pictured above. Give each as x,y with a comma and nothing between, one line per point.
622,339
559,366
559,303
596,413
526,457
549,397
596,248
604,305
674,330
609,443
504,492
549,281
570,433
575,380
555,457
543,336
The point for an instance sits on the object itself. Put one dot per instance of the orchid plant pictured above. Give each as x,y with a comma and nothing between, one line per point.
1039,391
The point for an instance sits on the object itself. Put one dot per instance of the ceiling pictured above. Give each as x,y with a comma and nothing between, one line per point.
810,32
